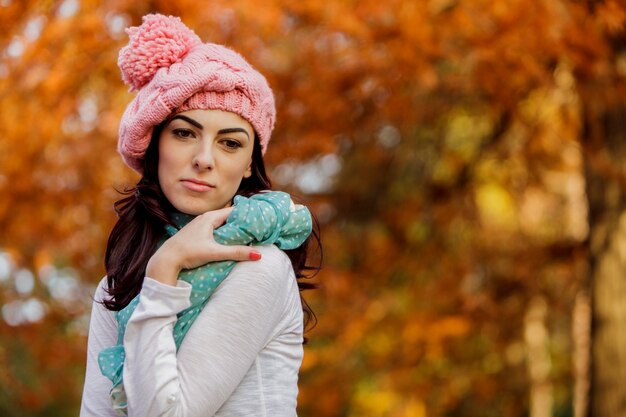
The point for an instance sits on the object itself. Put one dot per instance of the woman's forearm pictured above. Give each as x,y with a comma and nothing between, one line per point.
163,266
151,379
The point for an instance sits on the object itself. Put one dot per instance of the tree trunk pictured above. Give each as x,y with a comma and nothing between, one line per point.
581,325
606,189
539,364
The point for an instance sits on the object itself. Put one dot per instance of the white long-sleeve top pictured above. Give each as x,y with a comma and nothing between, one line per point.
240,358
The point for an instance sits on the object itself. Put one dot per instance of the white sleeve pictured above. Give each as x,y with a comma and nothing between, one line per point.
102,334
241,317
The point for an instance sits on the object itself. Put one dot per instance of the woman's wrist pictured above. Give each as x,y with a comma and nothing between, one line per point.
163,268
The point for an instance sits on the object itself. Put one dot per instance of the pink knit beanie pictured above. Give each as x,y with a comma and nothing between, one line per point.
173,71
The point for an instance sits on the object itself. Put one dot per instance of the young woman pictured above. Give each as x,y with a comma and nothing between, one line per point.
158,346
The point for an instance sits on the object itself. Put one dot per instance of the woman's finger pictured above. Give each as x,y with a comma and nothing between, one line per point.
237,253
218,217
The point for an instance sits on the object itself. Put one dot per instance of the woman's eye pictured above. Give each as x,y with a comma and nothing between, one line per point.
231,144
183,133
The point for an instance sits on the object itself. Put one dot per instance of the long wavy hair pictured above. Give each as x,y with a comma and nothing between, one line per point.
143,213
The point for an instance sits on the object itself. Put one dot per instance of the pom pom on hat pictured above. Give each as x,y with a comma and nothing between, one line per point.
159,42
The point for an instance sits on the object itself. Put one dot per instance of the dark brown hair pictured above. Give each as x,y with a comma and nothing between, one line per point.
143,213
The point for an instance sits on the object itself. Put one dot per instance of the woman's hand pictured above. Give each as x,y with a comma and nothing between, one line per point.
194,245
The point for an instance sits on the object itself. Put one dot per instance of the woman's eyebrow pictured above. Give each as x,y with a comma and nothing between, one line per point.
232,130
188,120
199,126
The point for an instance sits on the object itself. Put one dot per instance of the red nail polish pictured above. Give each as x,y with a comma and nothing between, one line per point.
254,256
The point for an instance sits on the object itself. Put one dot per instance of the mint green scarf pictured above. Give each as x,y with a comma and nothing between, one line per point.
263,219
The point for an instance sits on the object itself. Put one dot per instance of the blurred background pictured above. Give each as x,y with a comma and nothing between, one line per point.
465,158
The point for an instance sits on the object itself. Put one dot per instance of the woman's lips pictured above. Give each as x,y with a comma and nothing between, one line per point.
197,185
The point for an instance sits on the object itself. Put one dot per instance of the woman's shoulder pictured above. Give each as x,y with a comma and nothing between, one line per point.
274,267
272,254
272,259
101,289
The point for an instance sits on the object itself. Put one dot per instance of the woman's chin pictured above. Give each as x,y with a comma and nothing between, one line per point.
195,209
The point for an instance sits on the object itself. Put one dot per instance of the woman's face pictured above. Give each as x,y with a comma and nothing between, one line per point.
203,156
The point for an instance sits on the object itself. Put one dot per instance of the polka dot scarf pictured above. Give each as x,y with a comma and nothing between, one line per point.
263,219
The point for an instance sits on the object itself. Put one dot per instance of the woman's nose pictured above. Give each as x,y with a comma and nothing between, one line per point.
203,158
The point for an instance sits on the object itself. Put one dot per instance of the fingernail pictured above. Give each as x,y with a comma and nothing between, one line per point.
254,255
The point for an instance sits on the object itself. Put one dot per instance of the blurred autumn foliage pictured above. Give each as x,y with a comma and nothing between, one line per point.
464,157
